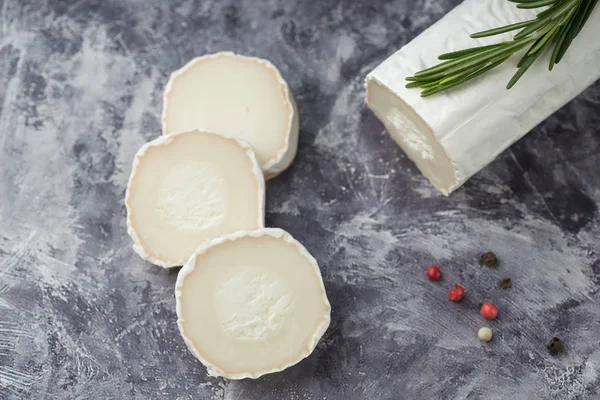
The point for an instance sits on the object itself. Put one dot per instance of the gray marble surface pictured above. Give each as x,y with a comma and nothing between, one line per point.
82,316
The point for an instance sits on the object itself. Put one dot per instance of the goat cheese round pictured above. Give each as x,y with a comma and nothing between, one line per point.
239,96
251,303
190,187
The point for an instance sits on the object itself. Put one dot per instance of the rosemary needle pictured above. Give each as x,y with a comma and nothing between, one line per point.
460,53
503,29
557,26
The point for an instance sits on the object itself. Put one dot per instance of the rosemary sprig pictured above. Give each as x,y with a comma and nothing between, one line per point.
557,26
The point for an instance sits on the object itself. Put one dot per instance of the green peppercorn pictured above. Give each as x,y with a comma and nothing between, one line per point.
555,345
489,259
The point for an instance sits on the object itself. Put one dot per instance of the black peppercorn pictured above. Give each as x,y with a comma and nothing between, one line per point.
489,259
555,345
505,283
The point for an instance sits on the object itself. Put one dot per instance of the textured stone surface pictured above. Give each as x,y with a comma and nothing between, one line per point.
81,316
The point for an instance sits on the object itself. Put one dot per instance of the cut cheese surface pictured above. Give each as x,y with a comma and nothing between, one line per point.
190,187
251,303
238,96
452,135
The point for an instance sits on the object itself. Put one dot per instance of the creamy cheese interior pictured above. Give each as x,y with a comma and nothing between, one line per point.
191,196
188,188
253,305
235,95
411,133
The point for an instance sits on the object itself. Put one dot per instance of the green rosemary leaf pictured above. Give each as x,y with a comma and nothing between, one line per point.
466,52
458,76
529,54
588,11
525,67
565,9
522,71
426,78
429,92
536,26
552,10
493,54
543,40
567,17
429,77
429,85
536,4
423,79
549,10
554,59
436,68
546,17
574,28
557,46
502,29
422,84
412,85
538,45
524,59
442,68
580,15
483,70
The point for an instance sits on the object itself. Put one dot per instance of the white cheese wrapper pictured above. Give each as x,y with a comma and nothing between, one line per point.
452,135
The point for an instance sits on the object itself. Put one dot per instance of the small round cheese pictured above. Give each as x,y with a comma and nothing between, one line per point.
190,187
251,303
239,96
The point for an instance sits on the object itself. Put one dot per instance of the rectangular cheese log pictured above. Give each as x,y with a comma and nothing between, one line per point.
452,135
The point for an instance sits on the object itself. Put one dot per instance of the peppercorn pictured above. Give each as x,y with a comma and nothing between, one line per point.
505,283
555,345
485,334
434,273
456,293
489,259
489,311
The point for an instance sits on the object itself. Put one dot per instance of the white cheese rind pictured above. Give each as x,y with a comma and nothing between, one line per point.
273,163
191,265
454,134
160,259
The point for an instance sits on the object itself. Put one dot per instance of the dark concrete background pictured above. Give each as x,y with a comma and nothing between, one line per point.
81,316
